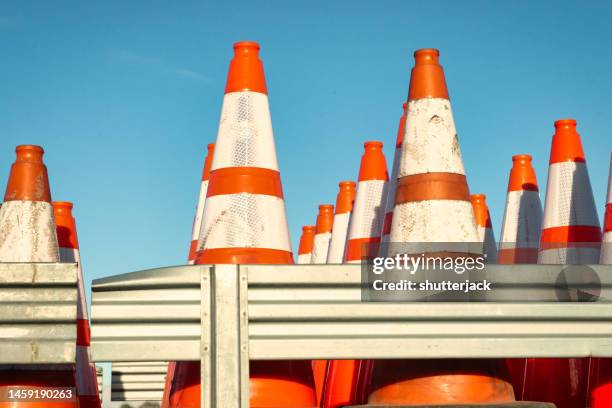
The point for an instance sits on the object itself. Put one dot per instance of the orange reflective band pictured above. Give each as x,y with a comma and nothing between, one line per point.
359,248
28,180
193,248
346,197
253,180
570,237
509,256
83,333
246,72
427,78
244,256
432,186
65,225
387,223
307,239
608,218
566,144
325,219
208,162
522,174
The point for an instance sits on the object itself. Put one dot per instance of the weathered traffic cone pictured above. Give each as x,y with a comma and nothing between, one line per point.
485,228
520,237
344,207
197,219
392,187
570,235
432,204
27,234
245,222
86,385
368,211
520,234
306,244
325,221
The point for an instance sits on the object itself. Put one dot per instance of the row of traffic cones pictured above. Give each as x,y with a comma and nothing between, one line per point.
34,229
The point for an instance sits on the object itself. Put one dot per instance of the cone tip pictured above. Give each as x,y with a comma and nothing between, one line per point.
326,207
521,158
62,205
210,146
246,46
478,197
29,148
308,228
426,56
565,123
566,145
373,144
347,184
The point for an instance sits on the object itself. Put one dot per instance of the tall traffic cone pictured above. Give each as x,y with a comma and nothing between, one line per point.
197,219
344,207
323,233
27,234
520,234
520,237
392,188
570,235
306,244
368,211
432,204
245,222
485,228
86,384
606,245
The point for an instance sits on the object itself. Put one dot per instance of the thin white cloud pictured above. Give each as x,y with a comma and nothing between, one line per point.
129,57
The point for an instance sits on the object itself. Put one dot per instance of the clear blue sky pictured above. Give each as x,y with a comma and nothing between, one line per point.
125,95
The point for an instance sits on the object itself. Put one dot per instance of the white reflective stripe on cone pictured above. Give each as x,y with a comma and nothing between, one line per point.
70,255
522,222
430,135
391,190
245,133
487,237
337,242
606,245
197,219
320,248
304,258
569,198
367,216
244,220
86,373
27,232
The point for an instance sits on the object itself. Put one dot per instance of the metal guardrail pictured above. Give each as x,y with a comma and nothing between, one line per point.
224,315
38,308
138,381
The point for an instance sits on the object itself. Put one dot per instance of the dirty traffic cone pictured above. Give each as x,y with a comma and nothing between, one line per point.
432,204
520,234
323,233
344,207
485,228
570,235
392,187
27,234
245,222
368,211
86,385
306,244
197,219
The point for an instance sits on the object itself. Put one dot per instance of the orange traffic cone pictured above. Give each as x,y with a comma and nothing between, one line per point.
27,234
344,207
520,234
570,235
245,222
197,219
485,228
432,204
368,211
323,233
392,188
520,237
86,382
306,244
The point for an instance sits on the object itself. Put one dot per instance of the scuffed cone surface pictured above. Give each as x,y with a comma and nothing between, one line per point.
27,232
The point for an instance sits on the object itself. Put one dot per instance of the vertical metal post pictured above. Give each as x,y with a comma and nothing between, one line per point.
224,344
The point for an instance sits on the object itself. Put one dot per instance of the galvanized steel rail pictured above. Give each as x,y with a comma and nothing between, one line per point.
224,315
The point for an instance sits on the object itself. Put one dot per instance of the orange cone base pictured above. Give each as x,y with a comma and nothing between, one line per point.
244,256
273,384
42,379
445,381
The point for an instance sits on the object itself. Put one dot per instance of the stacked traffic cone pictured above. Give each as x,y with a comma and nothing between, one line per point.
520,234
570,235
197,219
606,245
368,211
27,234
325,221
392,188
344,207
432,204
86,385
485,228
306,244
245,222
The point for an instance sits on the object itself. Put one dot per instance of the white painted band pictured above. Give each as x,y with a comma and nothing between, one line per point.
337,243
320,248
368,210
